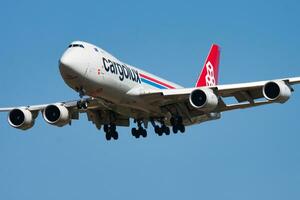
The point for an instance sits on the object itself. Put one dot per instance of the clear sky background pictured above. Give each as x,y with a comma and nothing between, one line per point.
248,154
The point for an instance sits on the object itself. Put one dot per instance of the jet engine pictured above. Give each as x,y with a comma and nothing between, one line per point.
20,118
204,99
56,115
277,91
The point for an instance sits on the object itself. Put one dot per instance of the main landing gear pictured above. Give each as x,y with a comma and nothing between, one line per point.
111,132
177,124
160,130
140,131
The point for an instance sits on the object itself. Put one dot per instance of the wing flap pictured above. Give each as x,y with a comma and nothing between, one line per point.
242,105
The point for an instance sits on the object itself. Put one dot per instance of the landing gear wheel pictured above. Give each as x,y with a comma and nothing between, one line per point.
79,105
133,131
160,132
181,128
115,135
140,131
144,133
175,129
167,130
82,104
108,136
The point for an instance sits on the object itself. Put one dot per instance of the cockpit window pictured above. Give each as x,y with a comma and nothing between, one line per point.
76,45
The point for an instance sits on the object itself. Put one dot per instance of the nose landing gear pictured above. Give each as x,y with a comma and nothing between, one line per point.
82,103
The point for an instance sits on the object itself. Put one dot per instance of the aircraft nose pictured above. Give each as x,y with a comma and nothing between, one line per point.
67,60
72,65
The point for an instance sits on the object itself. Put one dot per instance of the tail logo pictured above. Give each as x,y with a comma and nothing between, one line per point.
210,71
210,75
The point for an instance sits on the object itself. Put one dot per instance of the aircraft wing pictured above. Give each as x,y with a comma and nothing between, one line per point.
33,108
246,94
99,112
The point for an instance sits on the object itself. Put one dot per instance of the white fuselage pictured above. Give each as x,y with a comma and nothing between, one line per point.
85,67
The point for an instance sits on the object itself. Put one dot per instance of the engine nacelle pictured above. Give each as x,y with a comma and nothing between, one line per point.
277,91
20,118
56,115
204,99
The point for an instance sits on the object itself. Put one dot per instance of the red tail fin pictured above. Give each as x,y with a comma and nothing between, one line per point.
210,71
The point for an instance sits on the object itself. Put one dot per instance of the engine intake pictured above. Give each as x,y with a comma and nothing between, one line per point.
20,118
277,91
56,115
204,99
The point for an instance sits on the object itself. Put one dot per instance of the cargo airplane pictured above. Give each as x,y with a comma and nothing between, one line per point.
112,93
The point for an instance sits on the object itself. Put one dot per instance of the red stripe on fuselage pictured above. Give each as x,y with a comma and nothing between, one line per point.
157,81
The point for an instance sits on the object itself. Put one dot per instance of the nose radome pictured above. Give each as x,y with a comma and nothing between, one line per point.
73,64
66,60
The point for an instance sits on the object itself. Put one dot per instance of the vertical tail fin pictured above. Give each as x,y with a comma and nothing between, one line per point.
209,74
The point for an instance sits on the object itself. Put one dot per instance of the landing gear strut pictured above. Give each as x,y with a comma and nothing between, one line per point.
81,92
140,131
177,124
111,132
82,103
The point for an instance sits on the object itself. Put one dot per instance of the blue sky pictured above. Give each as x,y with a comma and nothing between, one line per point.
248,154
